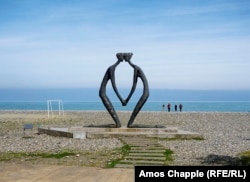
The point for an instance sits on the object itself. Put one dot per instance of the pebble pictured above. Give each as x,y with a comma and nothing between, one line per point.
224,139
45,143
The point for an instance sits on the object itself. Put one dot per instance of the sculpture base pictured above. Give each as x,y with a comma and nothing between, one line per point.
95,132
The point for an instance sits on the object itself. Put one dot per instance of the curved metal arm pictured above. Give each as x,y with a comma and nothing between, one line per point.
105,100
142,99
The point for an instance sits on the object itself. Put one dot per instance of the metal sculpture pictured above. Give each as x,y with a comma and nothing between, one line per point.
110,76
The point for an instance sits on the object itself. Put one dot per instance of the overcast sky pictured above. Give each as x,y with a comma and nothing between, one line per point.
180,44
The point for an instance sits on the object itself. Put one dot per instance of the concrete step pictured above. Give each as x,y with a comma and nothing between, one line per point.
147,148
146,151
145,142
137,162
137,139
133,165
132,139
150,158
147,154
124,165
142,143
145,145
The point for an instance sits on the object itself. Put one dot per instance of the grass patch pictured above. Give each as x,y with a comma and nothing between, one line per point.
112,163
124,150
245,158
168,155
21,155
58,155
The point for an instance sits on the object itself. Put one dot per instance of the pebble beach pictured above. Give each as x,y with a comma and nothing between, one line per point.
225,134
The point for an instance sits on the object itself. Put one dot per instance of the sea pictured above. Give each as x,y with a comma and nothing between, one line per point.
87,99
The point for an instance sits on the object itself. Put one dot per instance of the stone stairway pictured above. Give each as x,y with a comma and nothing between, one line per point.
144,151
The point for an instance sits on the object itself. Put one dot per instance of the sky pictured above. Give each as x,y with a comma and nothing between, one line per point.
180,44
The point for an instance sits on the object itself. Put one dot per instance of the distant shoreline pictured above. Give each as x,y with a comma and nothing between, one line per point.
119,111
148,106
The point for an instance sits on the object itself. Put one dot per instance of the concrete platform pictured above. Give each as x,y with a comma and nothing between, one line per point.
89,132
49,173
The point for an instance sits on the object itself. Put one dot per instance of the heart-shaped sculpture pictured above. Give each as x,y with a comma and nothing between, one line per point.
110,76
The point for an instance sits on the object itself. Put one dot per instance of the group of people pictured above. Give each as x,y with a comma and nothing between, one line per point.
175,107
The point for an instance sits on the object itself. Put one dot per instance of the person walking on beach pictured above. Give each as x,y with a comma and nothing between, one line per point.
175,107
169,107
180,107
163,107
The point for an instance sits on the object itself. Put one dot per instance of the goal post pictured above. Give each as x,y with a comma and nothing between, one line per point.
55,106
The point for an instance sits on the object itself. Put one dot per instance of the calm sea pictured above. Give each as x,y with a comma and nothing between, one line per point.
88,99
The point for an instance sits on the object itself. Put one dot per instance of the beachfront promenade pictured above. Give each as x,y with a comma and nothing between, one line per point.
58,173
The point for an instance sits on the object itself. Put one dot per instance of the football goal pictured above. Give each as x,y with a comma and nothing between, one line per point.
55,107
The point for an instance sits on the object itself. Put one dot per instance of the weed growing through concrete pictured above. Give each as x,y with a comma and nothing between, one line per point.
245,158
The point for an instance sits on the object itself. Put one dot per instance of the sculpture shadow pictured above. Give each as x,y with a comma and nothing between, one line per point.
133,126
222,160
